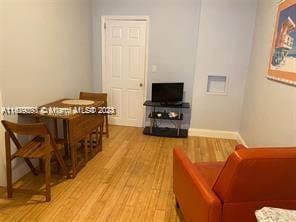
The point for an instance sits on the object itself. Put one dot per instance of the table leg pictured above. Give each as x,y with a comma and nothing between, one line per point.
97,137
73,151
66,137
91,145
70,147
101,137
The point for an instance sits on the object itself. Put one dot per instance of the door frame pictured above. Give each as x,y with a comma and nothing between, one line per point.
104,18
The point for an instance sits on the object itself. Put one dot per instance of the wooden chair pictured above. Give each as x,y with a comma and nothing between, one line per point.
98,97
40,147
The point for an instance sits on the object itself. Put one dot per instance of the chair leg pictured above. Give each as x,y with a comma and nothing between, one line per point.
97,138
66,136
8,166
101,136
74,159
47,178
85,147
9,178
9,181
107,126
62,163
30,165
41,165
91,144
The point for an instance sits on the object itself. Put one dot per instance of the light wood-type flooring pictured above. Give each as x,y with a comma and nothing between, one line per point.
131,180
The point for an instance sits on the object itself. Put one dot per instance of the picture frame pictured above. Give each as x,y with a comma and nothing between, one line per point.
282,63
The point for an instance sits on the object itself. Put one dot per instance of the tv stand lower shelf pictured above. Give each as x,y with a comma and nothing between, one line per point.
165,132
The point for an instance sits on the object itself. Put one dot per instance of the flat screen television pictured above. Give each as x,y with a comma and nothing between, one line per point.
167,92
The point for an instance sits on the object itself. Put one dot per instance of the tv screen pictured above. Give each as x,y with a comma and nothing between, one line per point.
167,92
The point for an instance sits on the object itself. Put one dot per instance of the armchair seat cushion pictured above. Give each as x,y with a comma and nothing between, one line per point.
209,171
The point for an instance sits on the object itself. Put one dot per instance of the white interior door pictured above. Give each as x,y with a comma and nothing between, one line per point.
124,77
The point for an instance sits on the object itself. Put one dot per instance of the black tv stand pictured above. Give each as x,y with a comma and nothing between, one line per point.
168,104
155,115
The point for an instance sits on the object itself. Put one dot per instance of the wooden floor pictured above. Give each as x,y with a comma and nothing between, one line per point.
131,180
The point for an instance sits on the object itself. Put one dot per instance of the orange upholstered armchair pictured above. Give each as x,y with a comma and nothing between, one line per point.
232,191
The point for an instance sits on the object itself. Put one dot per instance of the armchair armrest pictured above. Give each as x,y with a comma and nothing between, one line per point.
195,197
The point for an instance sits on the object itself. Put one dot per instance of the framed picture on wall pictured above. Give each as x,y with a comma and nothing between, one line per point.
282,65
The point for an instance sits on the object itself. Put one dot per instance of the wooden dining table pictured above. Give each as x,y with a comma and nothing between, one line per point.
76,126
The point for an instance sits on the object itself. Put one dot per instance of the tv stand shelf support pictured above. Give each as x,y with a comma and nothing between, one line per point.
154,115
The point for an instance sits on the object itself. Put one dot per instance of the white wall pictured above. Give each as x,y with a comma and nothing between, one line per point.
2,150
1,43
47,52
269,112
224,47
173,37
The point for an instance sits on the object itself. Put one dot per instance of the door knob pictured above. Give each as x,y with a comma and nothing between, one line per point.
141,84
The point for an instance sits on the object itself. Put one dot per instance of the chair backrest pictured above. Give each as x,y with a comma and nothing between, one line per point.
94,96
258,174
36,129
26,129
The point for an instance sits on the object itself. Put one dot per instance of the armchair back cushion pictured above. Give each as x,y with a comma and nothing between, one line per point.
252,175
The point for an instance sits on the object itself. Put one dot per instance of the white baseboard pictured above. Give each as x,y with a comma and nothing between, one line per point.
233,135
